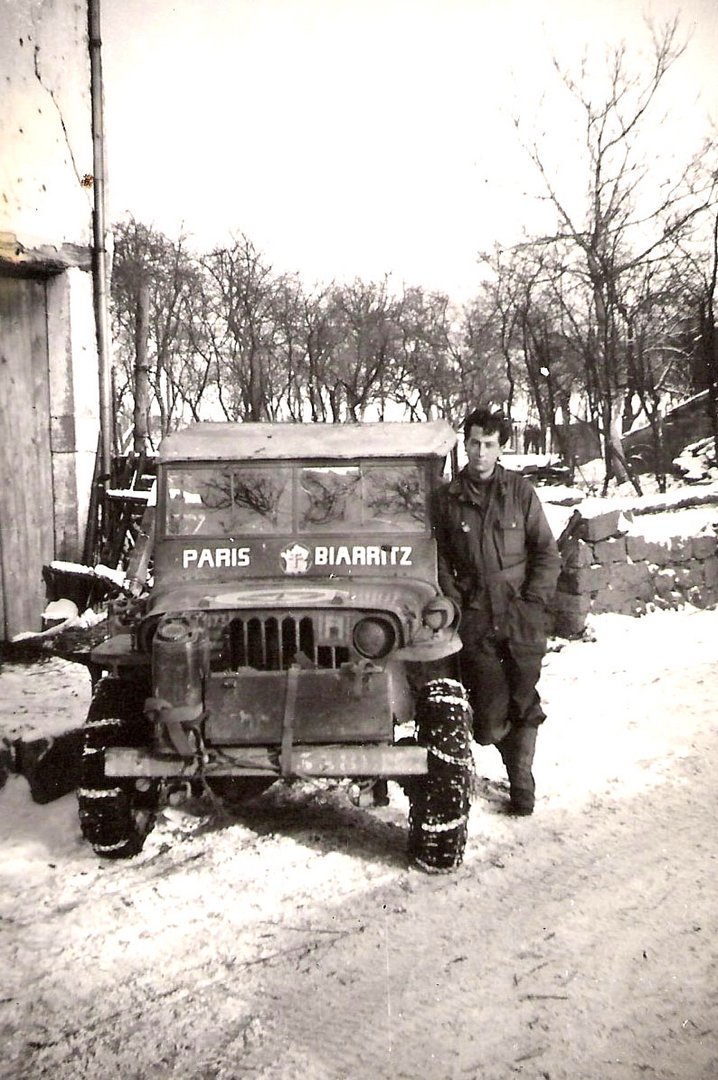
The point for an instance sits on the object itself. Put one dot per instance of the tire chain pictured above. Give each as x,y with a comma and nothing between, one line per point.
105,807
441,800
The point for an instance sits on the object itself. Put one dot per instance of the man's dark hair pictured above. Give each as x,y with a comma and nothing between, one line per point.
489,422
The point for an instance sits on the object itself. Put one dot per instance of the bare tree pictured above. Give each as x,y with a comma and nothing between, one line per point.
708,332
154,281
500,295
320,336
290,346
424,378
239,330
364,317
698,284
628,219
482,355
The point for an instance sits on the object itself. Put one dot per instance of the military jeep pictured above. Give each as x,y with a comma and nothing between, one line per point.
291,626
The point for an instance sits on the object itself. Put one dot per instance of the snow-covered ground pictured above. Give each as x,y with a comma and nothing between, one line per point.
580,943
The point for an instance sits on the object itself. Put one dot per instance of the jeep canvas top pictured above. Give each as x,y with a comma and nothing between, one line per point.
222,441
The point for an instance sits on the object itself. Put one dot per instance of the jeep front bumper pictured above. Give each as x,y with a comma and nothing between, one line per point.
330,761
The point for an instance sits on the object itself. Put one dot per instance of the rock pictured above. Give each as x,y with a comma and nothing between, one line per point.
641,550
710,573
50,765
680,548
578,554
569,614
602,526
612,550
576,582
704,547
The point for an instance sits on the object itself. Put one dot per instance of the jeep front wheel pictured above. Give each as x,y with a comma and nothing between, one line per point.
115,817
440,800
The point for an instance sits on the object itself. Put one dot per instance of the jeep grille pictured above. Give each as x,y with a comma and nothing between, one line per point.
274,643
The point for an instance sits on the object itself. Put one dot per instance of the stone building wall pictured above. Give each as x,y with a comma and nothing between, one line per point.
49,369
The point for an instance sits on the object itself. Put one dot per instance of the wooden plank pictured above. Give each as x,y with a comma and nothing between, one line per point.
26,495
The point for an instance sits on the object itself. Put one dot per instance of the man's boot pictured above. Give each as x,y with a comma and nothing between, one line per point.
517,751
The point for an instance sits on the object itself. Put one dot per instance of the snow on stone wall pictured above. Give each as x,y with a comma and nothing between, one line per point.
614,562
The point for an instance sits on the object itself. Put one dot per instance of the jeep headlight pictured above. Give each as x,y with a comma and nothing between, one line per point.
439,613
374,637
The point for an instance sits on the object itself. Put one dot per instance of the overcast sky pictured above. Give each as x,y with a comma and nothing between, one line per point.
357,137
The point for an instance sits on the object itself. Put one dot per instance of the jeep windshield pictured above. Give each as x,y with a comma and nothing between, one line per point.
281,499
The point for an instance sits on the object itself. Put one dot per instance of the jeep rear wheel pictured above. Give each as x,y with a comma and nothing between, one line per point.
440,800
115,817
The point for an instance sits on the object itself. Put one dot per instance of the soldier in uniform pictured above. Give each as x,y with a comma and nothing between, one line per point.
499,560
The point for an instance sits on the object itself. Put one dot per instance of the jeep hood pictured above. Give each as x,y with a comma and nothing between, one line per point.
404,597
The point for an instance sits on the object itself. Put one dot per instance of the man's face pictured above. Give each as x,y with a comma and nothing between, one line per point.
482,451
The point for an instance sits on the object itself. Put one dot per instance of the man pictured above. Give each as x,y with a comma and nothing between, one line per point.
498,559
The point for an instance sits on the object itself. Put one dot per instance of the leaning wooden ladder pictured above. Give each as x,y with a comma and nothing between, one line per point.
124,501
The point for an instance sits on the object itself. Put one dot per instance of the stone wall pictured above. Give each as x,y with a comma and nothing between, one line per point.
609,566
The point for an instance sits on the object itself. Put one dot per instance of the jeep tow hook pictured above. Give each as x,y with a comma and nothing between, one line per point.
368,793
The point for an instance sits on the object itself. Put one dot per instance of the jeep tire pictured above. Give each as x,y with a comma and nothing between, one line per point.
115,817
440,800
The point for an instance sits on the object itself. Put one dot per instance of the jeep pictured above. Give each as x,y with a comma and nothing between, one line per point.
284,620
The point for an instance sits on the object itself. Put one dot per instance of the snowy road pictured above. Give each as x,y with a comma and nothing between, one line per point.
581,943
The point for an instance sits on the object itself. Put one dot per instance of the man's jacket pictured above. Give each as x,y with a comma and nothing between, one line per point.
504,561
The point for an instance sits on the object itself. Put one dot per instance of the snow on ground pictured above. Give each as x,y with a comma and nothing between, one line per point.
578,944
